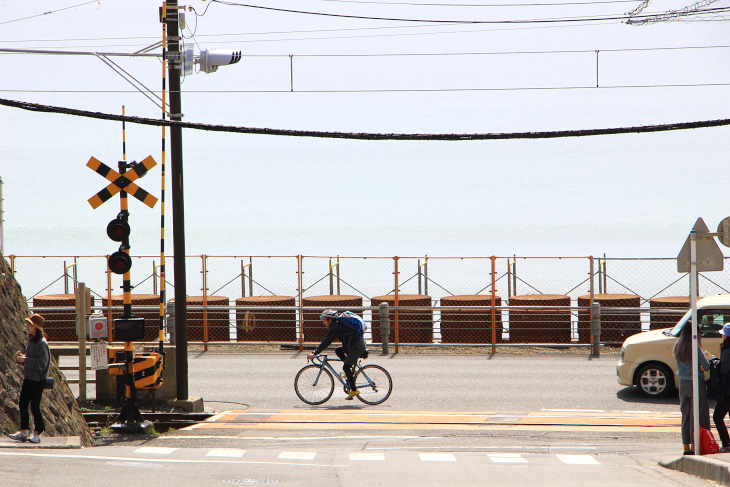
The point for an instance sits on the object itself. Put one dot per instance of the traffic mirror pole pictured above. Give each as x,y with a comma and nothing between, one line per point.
695,354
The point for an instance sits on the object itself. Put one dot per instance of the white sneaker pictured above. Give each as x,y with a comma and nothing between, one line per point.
19,436
35,438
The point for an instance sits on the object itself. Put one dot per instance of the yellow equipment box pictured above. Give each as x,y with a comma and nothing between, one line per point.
147,368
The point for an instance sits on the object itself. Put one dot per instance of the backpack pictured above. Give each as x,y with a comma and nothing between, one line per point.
354,321
717,383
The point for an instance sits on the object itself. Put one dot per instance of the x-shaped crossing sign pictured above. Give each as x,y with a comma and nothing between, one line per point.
122,182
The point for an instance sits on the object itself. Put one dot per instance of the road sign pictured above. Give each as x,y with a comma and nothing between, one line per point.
724,230
122,182
709,256
98,327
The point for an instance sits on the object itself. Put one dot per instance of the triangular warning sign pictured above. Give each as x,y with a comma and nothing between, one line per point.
709,255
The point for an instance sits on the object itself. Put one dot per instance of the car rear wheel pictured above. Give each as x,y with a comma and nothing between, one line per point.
654,380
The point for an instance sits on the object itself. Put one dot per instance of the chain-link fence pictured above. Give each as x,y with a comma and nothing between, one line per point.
480,300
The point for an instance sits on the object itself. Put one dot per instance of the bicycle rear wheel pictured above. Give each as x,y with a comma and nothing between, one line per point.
374,384
314,385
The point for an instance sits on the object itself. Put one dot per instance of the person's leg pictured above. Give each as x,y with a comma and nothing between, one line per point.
718,416
349,373
704,408
355,352
39,426
340,352
685,407
23,403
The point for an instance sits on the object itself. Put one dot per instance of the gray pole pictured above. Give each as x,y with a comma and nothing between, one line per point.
695,344
596,329
178,205
384,326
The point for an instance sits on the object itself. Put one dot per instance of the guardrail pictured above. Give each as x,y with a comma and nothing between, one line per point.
255,299
448,326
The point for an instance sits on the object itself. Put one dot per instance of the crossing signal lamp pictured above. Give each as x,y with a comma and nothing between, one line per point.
118,230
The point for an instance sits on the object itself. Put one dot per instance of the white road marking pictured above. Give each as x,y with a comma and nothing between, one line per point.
157,450
496,447
161,460
367,456
578,459
506,458
135,464
295,438
226,453
437,457
297,455
575,410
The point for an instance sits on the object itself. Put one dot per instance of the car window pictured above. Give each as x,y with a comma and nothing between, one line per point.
711,321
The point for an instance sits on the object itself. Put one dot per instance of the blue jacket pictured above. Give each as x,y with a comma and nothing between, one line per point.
684,369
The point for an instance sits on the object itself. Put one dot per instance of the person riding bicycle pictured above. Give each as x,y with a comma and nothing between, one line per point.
353,346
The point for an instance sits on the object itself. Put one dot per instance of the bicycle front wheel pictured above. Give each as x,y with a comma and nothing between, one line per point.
314,385
374,384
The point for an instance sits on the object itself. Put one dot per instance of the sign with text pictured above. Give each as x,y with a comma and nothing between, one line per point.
99,357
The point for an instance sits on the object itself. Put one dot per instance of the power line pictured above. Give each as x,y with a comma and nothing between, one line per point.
481,5
366,136
437,21
394,54
311,31
395,90
47,13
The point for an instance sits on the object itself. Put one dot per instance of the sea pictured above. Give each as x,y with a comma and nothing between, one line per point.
424,71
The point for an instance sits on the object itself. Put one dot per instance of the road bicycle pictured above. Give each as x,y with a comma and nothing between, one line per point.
314,383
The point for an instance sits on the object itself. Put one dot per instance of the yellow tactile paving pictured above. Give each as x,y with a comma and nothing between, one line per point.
323,419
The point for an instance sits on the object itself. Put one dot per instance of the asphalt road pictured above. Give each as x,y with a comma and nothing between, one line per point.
430,382
336,454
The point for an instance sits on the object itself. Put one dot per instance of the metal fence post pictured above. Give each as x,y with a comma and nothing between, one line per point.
397,338
384,327
596,329
494,303
300,293
205,301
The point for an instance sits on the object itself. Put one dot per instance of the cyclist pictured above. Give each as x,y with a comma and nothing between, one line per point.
353,346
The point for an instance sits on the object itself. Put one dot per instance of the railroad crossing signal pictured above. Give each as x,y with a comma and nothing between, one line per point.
122,182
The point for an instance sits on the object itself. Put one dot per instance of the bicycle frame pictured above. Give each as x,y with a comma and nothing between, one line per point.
325,362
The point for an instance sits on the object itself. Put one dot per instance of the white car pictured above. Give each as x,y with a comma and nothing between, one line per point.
647,359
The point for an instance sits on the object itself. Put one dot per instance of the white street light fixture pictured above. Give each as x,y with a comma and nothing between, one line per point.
210,59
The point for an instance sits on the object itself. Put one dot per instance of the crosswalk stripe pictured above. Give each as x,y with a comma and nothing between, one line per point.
367,456
297,455
231,453
157,450
437,457
506,458
578,459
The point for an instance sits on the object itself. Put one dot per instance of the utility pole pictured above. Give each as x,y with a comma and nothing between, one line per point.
170,16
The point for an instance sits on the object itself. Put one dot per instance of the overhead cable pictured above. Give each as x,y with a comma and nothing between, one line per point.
438,21
47,13
364,135
476,5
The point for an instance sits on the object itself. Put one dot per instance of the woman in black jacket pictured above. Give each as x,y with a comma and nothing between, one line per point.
722,408
36,362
